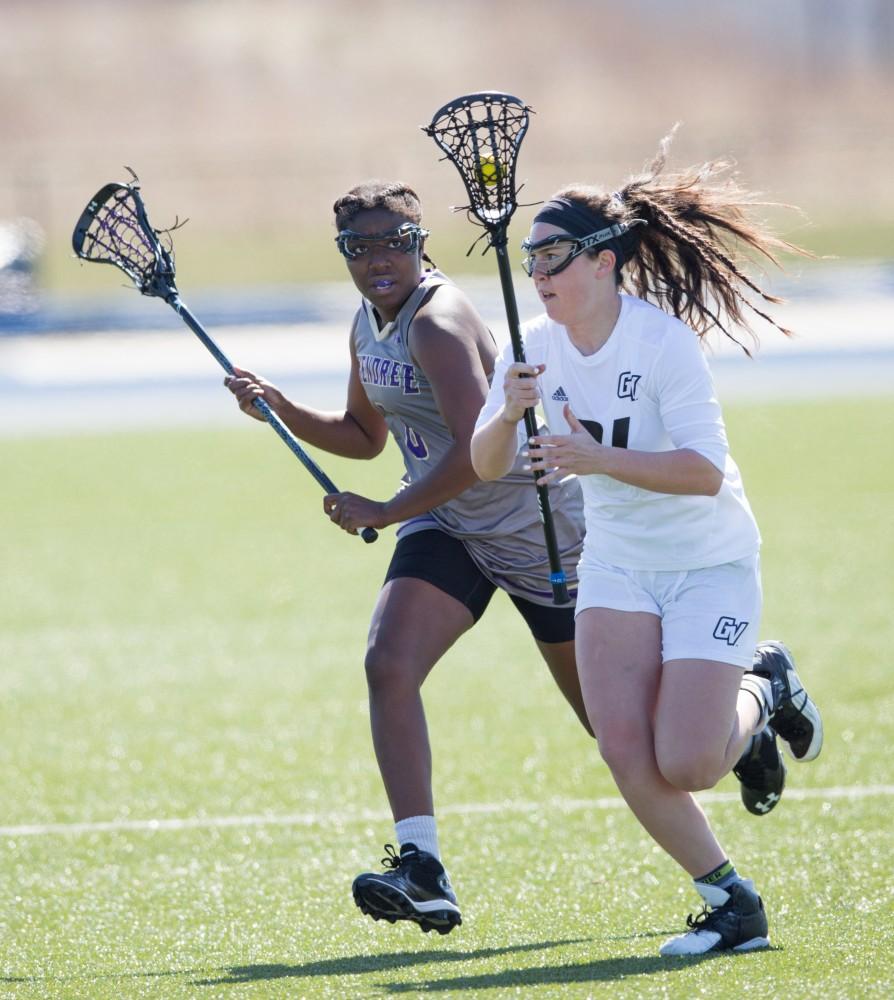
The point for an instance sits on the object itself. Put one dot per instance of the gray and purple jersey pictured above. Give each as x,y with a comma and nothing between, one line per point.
498,522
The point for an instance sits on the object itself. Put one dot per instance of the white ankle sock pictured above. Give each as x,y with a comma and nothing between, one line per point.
762,692
421,831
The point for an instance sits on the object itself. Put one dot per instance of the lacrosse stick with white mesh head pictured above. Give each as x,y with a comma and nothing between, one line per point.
481,135
114,229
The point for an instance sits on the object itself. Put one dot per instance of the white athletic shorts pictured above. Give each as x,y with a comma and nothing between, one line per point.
706,614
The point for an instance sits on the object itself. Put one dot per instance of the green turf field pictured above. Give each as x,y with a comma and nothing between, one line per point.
181,640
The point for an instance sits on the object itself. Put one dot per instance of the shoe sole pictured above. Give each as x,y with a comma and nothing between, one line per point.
810,712
383,902
760,807
807,708
755,944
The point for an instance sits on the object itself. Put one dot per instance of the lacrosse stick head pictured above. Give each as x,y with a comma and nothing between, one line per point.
114,229
481,135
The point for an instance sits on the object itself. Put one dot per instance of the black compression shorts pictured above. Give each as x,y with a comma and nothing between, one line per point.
442,560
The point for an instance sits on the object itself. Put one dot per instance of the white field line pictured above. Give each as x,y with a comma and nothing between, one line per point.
336,818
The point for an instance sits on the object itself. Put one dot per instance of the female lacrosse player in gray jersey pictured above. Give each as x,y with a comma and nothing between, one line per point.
421,362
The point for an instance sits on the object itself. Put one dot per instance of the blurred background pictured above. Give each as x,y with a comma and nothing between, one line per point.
251,118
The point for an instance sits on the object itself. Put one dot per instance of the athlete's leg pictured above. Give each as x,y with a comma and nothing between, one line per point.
619,661
703,720
414,623
433,593
706,714
553,630
562,663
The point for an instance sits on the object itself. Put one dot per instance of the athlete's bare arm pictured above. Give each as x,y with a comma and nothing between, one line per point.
358,431
454,349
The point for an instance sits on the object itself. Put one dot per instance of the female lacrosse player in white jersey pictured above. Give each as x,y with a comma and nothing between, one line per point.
669,593
421,361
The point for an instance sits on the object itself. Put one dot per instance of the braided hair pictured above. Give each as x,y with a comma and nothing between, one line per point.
391,196
388,195
689,258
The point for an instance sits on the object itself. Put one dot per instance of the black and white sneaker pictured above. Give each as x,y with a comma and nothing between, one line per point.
416,888
733,920
761,773
795,717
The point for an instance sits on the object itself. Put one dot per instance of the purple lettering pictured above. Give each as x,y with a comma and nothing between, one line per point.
416,444
411,388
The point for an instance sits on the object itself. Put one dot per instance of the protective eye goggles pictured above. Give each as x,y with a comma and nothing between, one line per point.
555,253
405,238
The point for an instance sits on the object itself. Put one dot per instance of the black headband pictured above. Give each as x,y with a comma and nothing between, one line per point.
579,221
574,218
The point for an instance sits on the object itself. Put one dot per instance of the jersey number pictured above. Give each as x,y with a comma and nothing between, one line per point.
416,444
620,431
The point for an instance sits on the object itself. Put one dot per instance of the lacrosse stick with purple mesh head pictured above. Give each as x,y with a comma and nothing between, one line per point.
114,229
481,135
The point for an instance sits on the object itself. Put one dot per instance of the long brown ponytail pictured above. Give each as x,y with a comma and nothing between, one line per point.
700,234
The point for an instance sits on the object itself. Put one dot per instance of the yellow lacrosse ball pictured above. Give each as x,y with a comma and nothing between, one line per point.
489,171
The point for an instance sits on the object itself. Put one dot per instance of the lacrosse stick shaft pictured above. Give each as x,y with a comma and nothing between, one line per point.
367,534
480,135
557,576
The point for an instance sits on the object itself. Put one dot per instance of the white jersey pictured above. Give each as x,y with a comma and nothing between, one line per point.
648,388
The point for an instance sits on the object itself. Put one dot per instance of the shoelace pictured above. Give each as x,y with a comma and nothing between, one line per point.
702,921
696,922
392,858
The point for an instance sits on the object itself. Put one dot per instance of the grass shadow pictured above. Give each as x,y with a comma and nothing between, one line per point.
360,964
97,977
601,971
